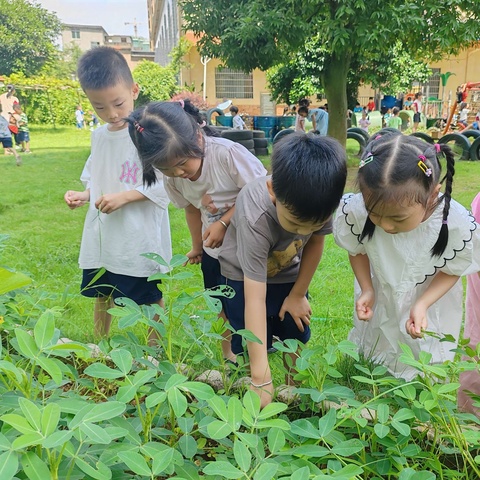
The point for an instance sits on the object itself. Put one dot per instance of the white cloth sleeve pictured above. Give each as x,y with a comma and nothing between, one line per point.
242,166
156,192
347,228
86,175
174,194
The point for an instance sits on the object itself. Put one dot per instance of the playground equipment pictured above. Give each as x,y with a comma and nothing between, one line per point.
466,87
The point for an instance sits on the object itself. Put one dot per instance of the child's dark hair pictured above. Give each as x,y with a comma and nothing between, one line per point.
234,109
165,131
405,170
463,105
103,67
303,109
395,110
418,94
308,175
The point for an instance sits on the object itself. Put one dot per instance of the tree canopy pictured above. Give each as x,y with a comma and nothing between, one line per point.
248,34
28,33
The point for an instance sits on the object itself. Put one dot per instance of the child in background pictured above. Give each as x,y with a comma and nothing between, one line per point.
23,136
302,114
417,107
370,104
204,175
395,121
238,123
79,117
274,245
463,115
387,116
408,245
358,108
125,218
407,104
364,122
470,381
6,138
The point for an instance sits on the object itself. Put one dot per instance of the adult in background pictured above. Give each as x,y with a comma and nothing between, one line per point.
7,100
417,108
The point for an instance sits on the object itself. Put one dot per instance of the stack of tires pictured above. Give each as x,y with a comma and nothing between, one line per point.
244,137
260,143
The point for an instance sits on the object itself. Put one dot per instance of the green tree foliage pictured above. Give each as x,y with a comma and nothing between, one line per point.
157,83
252,34
28,33
64,63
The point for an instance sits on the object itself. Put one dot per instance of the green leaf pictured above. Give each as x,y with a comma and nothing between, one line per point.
18,423
251,402
122,359
8,367
266,471
327,423
143,376
44,329
50,418
11,281
401,428
103,472
8,465
57,438
348,447
242,455
31,412
177,401
200,390
224,469
162,462
27,440
26,344
234,413
271,410
175,380
219,406
448,387
313,451
383,412
135,462
99,370
95,434
302,473
51,366
156,258
219,429
155,398
304,428
403,414
104,411
4,443
33,467
177,261
188,446
126,393
381,430
275,439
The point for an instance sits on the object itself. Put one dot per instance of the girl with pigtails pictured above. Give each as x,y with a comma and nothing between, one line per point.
408,245
203,174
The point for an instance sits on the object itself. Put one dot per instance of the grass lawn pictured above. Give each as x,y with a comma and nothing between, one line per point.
45,235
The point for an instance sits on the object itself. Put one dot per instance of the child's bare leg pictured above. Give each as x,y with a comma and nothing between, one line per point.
102,319
152,333
17,156
226,342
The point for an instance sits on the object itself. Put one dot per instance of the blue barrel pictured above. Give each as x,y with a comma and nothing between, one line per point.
224,120
267,124
285,122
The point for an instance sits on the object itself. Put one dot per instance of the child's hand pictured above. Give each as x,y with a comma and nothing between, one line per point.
213,235
76,199
417,321
364,305
110,202
299,308
194,257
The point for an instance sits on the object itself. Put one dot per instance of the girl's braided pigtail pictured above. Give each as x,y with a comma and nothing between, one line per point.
442,241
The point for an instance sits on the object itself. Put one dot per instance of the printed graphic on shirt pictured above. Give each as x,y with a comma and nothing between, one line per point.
129,173
279,260
214,213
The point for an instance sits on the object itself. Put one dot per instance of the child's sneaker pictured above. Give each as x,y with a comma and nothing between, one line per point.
28,151
19,161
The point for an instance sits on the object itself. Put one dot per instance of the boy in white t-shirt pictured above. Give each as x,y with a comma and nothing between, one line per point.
125,219
238,123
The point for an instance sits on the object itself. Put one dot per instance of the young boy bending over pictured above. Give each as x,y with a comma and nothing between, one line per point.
274,244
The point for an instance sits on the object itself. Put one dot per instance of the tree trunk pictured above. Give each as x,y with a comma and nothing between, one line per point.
335,84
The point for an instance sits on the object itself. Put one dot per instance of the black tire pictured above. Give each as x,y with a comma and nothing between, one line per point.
462,144
261,152
474,150
237,135
209,114
260,142
423,136
361,131
386,130
248,144
470,134
281,134
360,139
258,134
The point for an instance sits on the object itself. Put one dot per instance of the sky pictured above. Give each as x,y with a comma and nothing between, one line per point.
109,14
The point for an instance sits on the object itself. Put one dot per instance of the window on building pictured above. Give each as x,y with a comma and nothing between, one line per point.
431,88
233,83
75,33
123,39
94,44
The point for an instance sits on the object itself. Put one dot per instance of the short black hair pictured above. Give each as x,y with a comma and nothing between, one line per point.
234,109
302,109
395,110
103,67
308,175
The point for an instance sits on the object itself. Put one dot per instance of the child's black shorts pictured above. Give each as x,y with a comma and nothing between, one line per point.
115,285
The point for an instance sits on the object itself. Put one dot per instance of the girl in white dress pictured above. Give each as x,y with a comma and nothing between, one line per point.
408,245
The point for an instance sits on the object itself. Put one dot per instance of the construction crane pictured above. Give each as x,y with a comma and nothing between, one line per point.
135,26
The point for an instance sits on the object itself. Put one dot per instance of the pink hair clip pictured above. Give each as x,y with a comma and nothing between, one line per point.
438,147
182,103
203,124
138,127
